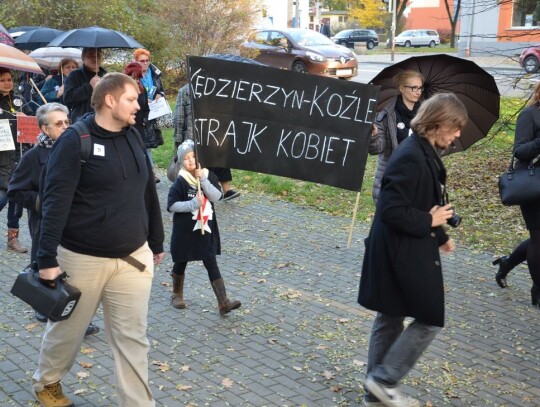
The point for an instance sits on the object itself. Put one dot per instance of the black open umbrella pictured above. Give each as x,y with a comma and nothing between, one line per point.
475,87
37,38
94,37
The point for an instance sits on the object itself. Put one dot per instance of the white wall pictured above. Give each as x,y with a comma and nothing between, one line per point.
278,12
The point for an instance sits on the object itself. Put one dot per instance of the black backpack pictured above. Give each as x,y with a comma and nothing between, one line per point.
86,149
86,139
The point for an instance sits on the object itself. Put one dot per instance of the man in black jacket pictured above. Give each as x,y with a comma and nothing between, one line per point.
81,82
101,224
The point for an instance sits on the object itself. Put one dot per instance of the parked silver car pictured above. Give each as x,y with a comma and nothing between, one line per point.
417,38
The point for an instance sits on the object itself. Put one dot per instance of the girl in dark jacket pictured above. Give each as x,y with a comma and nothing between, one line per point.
195,234
401,272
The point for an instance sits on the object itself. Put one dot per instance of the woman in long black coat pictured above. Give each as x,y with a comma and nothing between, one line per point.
401,273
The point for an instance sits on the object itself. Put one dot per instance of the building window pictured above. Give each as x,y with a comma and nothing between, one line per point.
524,13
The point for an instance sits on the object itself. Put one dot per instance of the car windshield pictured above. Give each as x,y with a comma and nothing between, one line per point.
343,34
309,38
406,34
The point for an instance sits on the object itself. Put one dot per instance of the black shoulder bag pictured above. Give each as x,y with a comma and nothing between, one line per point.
520,185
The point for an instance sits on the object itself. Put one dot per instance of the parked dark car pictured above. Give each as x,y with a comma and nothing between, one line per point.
530,59
351,37
301,50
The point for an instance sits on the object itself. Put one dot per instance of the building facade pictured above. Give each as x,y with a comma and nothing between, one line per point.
498,27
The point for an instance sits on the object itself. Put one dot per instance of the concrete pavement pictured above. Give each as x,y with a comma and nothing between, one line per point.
299,339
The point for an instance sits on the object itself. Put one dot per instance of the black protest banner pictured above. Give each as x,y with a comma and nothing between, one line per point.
280,122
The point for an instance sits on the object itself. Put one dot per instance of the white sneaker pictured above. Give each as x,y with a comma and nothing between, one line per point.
389,396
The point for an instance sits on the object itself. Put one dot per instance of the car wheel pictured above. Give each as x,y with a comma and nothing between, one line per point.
407,44
299,66
370,45
432,44
530,64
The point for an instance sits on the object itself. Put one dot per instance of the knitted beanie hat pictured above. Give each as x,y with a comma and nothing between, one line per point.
184,148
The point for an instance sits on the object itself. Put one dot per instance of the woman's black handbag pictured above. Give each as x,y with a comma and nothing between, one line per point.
520,185
57,303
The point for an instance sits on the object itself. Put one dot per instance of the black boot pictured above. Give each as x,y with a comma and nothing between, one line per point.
535,296
225,305
504,268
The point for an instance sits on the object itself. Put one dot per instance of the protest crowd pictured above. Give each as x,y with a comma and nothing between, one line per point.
84,173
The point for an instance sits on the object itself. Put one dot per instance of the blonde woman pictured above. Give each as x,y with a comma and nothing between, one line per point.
393,123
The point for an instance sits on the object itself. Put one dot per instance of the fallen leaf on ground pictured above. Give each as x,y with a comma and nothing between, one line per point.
86,351
183,387
328,375
227,382
83,375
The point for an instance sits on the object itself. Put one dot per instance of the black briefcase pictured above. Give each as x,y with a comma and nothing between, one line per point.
57,303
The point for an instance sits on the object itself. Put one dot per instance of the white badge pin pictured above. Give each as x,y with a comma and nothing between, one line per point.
17,102
99,150
401,125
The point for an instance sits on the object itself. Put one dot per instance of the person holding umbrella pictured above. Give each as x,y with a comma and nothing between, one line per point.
80,83
393,122
401,272
11,106
53,89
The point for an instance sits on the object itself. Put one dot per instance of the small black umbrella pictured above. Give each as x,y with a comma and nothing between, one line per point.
37,38
94,37
475,87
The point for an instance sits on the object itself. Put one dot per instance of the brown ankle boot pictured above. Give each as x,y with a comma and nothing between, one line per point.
225,305
178,291
13,241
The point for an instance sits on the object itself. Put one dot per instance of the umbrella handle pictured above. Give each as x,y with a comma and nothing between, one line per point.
37,90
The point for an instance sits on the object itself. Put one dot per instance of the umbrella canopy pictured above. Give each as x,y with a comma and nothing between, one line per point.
5,38
12,58
37,38
475,87
94,37
17,31
50,57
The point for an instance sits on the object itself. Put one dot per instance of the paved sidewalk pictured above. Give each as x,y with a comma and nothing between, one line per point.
299,339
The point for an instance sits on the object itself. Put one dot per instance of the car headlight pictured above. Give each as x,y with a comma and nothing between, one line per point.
315,57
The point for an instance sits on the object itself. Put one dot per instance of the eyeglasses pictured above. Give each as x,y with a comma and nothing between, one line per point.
414,88
143,61
60,123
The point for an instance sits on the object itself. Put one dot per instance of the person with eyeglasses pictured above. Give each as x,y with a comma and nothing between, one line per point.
151,81
23,188
393,122
80,83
